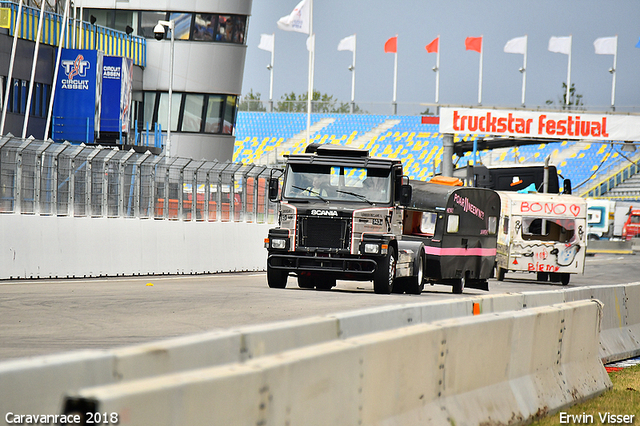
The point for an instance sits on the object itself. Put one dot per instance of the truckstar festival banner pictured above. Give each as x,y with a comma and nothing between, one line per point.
540,124
76,107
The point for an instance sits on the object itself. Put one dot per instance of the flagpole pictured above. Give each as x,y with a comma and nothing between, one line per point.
480,79
613,71
569,72
273,50
33,72
311,54
395,78
524,69
438,71
16,30
353,76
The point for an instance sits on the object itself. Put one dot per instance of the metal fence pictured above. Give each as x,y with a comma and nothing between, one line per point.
47,178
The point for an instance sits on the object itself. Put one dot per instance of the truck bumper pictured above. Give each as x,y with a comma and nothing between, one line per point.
356,267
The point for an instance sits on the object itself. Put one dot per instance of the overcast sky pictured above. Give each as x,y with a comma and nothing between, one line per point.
418,22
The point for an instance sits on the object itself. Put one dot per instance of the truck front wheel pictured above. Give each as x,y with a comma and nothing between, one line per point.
385,273
277,278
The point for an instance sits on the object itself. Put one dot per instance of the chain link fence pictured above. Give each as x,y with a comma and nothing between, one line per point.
46,178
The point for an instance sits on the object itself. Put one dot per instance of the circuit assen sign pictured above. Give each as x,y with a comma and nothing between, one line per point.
540,124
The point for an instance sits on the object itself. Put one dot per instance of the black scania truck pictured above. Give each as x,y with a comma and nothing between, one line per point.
345,215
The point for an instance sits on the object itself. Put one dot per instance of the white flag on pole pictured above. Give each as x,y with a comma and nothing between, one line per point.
606,45
266,42
560,45
298,20
311,43
348,43
516,45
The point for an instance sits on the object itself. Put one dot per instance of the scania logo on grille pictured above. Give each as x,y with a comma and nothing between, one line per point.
324,213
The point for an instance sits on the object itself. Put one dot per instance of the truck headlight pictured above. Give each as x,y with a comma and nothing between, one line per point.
278,243
371,248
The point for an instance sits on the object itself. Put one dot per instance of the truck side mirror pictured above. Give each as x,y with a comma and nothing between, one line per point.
405,195
567,187
273,189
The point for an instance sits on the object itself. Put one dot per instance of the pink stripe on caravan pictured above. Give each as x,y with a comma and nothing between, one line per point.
459,251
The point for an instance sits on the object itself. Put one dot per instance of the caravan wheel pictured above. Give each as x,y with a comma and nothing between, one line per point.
460,284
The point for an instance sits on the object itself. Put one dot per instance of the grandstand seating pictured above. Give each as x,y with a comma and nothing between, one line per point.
418,145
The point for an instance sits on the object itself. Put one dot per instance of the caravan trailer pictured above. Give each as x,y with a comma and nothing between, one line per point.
539,233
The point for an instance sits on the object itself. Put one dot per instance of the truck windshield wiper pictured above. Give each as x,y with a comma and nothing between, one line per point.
310,191
362,197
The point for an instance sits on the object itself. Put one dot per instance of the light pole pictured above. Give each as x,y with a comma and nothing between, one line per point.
158,31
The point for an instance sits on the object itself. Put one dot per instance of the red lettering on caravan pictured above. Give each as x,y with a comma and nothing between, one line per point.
510,123
604,127
595,128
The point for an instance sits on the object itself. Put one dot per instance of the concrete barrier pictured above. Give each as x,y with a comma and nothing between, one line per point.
93,247
493,368
21,392
609,247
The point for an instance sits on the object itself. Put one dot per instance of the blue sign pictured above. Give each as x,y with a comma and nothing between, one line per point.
76,106
117,79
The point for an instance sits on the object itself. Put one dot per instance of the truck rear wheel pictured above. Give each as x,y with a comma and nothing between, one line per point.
385,273
564,278
500,274
277,278
325,284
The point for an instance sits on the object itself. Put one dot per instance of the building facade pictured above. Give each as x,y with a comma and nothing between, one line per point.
209,58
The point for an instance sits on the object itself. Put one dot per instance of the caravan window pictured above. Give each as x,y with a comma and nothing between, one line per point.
505,225
552,229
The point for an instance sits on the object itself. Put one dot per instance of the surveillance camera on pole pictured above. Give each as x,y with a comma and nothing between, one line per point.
158,31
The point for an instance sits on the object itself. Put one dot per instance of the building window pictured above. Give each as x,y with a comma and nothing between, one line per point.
148,20
192,117
190,112
214,114
182,24
163,110
204,27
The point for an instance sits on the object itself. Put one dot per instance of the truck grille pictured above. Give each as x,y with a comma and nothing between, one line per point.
321,232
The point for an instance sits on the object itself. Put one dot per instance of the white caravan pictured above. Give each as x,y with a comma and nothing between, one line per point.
542,233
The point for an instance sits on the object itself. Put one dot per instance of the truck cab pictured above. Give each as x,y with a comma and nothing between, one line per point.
346,215
631,227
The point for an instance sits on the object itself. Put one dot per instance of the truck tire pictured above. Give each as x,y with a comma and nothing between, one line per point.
277,278
500,274
414,284
385,273
459,284
325,284
306,281
554,277
564,278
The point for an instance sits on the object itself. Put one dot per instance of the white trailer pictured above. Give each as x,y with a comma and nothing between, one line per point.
540,233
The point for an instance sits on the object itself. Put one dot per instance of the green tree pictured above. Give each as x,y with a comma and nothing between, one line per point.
251,102
575,99
322,103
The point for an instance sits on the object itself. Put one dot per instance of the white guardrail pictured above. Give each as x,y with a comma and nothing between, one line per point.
426,363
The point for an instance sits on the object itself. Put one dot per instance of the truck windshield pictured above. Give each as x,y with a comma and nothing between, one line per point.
337,183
